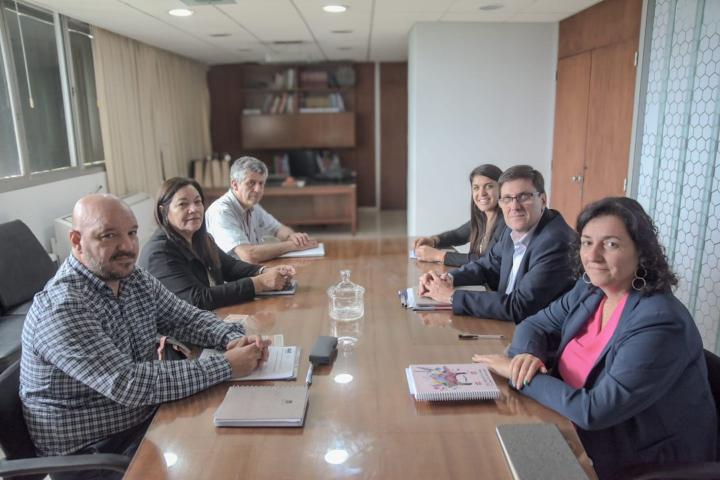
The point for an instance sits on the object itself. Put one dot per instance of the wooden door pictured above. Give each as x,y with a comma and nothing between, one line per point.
393,136
569,142
612,87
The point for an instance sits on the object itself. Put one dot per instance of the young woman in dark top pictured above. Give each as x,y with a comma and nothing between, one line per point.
482,231
184,257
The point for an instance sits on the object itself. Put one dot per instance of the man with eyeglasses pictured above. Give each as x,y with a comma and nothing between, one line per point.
526,269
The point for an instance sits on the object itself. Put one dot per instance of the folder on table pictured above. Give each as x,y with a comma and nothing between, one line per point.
318,251
289,289
409,298
276,406
528,449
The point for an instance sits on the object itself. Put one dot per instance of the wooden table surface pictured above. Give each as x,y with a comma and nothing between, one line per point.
369,426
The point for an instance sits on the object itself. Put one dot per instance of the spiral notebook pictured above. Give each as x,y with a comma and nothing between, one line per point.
448,382
272,406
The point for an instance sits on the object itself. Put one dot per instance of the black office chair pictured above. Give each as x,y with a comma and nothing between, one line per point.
22,461
689,471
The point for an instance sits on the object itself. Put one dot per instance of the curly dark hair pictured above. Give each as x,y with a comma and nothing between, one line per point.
659,277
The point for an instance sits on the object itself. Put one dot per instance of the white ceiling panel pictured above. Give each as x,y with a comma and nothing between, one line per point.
560,6
379,28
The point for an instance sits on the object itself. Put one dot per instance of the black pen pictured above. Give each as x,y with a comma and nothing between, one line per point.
470,336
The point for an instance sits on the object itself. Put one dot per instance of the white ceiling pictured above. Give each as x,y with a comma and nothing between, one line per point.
379,28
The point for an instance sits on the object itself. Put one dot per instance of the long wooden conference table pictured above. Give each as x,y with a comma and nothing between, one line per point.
361,422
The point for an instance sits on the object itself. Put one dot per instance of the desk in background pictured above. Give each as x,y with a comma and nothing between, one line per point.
361,422
327,204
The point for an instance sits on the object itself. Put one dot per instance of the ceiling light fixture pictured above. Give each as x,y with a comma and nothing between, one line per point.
490,7
335,8
341,31
219,35
180,12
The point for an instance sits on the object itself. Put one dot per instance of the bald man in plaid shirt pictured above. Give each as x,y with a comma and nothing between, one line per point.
90,380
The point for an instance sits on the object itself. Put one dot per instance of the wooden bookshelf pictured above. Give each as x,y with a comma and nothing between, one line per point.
244,122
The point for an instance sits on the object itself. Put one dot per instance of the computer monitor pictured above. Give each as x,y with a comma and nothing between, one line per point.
303,163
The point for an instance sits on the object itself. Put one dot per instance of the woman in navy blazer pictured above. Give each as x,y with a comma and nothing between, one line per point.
628,367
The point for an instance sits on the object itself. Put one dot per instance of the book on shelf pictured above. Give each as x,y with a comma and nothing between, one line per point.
449,382
527,448
266,406
281,164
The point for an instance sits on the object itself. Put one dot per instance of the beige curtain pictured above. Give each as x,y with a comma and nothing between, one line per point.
154,112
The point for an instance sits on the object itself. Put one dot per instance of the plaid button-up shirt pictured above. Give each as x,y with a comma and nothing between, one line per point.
89,366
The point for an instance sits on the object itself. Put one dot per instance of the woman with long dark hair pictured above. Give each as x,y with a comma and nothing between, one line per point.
184,257
619,354
482,231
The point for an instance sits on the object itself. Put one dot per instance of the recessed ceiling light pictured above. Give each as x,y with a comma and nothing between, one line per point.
335,8
341,31
490,7
180,12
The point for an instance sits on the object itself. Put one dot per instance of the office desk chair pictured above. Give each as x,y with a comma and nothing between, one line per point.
689,471
22,461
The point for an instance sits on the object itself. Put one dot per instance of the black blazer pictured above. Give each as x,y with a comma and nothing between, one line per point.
460,236
545,273
187,277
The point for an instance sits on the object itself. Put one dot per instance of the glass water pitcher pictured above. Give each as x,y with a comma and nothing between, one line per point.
346,299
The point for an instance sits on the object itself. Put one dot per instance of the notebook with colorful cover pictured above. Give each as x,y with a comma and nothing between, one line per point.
446,382
275,406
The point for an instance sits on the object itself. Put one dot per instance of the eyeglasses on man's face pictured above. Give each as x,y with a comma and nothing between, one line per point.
523,197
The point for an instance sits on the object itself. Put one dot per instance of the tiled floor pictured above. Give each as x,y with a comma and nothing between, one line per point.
371,223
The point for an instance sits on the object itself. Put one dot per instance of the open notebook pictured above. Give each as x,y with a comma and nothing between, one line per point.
528,449
446,382
275,406
409,298
282,364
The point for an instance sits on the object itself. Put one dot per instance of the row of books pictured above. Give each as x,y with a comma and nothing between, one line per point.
212,172
285,103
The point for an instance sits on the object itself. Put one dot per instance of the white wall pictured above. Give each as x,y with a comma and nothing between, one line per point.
477,93
39,206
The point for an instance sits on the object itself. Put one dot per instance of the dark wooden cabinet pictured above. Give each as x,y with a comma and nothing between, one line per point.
268,110
299,130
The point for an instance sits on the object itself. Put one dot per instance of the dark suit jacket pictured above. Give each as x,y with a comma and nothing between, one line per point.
545,274
647,399
461,236
187,277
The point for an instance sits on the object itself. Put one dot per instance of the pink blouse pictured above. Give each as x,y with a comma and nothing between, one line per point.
582,352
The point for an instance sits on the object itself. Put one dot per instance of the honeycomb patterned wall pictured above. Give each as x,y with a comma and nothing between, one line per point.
679,174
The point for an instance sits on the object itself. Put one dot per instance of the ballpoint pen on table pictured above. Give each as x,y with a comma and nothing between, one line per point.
308,377
470,336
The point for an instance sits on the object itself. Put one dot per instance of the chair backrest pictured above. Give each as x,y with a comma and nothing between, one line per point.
14,437
24,263
713,368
